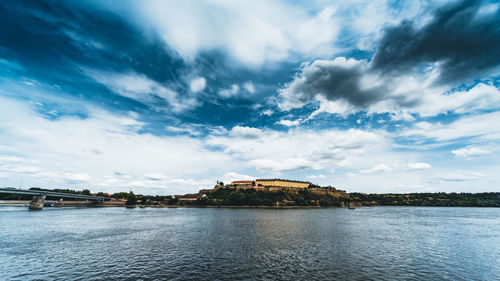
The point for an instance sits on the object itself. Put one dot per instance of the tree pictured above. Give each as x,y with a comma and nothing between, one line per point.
85,192
131,199
120,195
172,200
202,201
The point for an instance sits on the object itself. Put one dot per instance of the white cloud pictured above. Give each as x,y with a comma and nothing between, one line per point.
191,130
218,130
380,168
198,84
333,107
418,166
79,177
289,123
233,176
347,86
142,89
51,153
273,152
284,165
19,169
72,151
471,151
267,112
246,132
249,87
250,32
478,127
313,177
480,97
231,92
401,115
15,159
155,176
462,176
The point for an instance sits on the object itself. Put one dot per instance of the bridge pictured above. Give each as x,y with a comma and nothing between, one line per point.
39,196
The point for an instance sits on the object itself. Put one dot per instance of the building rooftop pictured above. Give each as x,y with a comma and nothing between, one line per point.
281,180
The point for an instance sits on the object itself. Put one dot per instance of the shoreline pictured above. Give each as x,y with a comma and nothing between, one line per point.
84,204
117,204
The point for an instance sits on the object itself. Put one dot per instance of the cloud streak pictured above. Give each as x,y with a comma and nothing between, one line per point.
145,90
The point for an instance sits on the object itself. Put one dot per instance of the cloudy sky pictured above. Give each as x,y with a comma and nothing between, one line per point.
166,97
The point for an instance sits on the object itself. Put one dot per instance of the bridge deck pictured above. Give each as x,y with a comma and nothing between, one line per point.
52,194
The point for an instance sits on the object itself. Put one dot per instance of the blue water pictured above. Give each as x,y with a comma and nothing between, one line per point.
380,243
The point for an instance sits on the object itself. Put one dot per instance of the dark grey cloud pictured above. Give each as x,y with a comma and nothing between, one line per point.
337,81
462,36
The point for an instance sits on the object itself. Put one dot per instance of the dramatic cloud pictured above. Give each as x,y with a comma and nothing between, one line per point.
250,32
462,37
413,69
339,79
168,97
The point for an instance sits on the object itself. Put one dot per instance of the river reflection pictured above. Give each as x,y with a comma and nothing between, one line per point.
381,243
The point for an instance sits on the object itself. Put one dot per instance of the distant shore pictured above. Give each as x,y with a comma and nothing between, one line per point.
115,204
13,203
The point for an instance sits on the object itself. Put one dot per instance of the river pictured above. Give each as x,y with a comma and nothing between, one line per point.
379,243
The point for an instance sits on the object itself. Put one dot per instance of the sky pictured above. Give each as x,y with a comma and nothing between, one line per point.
167,97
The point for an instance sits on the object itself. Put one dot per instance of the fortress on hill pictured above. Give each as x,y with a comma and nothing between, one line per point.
262,183
280,191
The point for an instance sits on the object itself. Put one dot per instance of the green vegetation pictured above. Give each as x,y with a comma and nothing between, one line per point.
131,199
304,197
252,197
487,199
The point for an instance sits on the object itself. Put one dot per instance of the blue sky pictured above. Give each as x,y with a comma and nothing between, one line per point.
168,97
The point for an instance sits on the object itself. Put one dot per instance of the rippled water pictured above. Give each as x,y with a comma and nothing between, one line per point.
381,243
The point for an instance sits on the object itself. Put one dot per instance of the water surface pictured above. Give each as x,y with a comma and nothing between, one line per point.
380,243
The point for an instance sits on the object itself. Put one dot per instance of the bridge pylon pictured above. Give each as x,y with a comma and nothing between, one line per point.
37,202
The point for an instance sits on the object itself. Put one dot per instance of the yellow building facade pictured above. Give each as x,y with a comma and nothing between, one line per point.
282,183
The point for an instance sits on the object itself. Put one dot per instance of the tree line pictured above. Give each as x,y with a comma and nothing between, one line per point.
439,199
251,197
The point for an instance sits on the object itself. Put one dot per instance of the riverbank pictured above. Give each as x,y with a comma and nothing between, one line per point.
107,204
13,203
22,203
90,204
